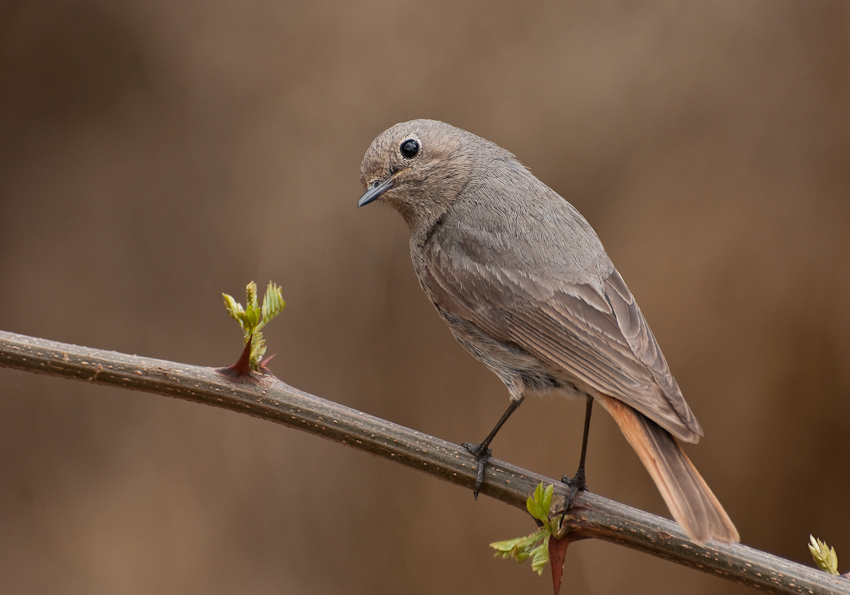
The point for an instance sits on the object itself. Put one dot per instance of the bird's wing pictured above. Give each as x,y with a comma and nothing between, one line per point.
596,334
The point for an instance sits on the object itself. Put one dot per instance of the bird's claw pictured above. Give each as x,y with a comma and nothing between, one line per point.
577,484
481,454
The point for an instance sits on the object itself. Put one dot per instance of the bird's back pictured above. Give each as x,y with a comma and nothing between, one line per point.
513,266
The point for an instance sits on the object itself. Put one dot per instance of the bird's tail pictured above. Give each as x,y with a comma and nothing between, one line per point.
689,499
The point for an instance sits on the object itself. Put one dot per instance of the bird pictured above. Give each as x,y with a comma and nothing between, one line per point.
525,286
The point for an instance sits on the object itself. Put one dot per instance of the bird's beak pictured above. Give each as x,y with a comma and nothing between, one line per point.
376,189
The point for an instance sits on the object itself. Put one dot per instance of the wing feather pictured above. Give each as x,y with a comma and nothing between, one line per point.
594,333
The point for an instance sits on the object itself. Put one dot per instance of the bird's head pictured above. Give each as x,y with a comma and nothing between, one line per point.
420,168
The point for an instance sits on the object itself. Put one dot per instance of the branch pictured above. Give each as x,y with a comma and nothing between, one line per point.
270,399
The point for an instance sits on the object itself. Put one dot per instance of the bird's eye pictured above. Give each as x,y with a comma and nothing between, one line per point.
410,148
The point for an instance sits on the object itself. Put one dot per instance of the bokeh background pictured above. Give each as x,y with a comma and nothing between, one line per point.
156,153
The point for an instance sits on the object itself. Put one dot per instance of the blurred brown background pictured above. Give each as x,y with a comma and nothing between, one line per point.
154,154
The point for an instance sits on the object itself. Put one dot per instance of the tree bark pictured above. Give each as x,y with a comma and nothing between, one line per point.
269,398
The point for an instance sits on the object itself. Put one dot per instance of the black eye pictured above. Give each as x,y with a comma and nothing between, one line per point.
410,148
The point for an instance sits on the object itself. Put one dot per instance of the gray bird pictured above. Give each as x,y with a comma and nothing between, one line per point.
526,287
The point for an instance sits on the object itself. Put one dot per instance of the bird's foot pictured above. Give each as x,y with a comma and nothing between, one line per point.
481,454
576,484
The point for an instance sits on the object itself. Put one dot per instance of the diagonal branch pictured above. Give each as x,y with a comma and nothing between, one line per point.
269,398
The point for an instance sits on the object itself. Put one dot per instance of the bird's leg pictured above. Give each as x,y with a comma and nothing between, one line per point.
482,452
577,483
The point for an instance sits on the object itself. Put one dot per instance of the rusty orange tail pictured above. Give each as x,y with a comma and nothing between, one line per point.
688,497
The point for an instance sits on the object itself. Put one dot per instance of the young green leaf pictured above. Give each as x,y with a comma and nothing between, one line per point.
252,318
539,503
536,545
273,303
521,547
824,556
540,556
258,350
233,308
251,296
504,548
